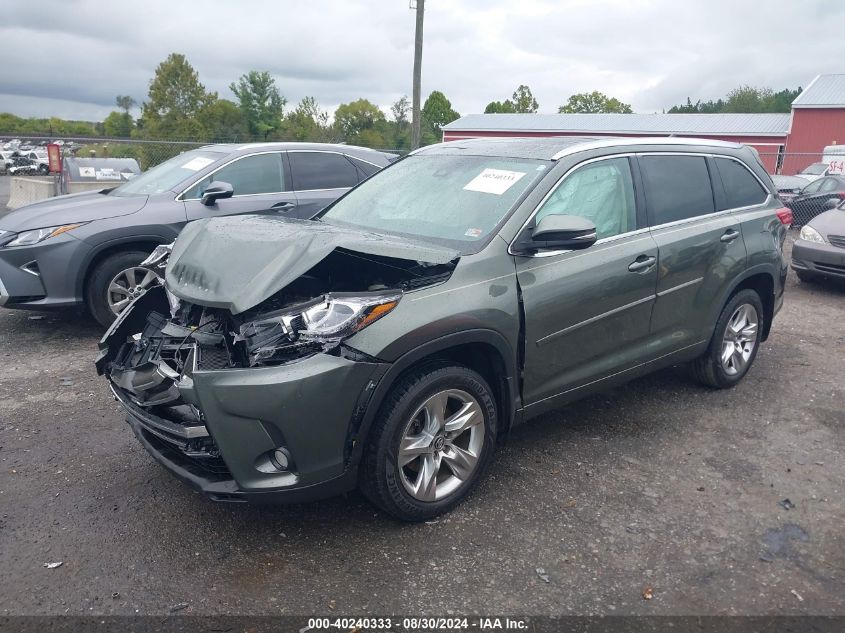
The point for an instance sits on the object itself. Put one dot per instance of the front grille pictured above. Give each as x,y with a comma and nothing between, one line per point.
208,467
177,432
837,240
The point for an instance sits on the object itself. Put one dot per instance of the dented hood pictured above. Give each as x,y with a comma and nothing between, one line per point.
237,262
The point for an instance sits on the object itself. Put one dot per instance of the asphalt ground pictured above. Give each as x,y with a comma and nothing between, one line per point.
660,488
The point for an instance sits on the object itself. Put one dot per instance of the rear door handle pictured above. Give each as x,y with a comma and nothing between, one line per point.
729,236
283,206
643,262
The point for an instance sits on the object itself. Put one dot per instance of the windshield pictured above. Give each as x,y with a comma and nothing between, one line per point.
169,174
816,169
455,200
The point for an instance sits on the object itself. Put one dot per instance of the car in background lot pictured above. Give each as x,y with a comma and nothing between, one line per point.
813,172
85,249
817,197
788,186
819,250
22,166
41,161
391,340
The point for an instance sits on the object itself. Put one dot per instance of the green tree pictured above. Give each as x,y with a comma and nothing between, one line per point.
401,110
360,122
743,99
594,102
500,107
747,99
308,122
399,136
437,111
261,102
125,102
176,99
523,101
222,120
118,125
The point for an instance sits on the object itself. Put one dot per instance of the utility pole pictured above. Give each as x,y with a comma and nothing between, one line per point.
418,42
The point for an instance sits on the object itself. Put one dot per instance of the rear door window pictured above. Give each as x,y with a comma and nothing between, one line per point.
742,189
366,169
677,187
321,170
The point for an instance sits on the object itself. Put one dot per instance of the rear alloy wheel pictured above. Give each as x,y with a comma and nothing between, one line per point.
115,282
431,443
735,342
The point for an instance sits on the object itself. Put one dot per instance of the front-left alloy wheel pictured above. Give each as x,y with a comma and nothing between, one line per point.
434,436
113,284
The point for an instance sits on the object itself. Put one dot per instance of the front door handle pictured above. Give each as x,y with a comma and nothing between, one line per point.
729,236
283,206
642,263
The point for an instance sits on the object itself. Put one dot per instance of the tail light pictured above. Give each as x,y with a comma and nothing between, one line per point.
785,216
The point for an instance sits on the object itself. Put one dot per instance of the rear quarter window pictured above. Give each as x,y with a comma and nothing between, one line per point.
677,187
742,189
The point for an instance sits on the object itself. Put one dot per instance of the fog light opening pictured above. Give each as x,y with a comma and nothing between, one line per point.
280,458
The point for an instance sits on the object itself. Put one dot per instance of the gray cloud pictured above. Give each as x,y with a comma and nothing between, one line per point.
71,57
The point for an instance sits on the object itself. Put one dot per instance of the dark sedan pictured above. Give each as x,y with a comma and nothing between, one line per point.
817,197
85,249
819,250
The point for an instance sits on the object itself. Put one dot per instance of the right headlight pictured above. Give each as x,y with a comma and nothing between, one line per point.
327,320
810,234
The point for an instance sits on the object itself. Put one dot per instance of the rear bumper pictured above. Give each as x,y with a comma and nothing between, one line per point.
820,259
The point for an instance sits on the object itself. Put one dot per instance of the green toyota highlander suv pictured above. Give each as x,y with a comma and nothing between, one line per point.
390,341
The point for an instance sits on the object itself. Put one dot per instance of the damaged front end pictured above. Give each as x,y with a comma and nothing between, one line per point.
186,373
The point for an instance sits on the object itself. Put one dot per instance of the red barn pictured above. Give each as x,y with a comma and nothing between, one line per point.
817,120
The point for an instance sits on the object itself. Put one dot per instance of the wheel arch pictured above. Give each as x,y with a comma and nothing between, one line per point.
484,351
112,247
761,279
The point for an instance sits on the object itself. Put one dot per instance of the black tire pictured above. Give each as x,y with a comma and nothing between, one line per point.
805,276
96,292
380,478
708,368
43,170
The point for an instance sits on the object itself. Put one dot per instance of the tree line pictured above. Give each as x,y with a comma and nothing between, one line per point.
178,107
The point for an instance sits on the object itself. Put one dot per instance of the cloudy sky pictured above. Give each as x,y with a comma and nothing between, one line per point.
69,58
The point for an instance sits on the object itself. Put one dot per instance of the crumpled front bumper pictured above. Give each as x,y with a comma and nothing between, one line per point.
311,408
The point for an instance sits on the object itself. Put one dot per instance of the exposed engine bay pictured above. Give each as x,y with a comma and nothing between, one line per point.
162,339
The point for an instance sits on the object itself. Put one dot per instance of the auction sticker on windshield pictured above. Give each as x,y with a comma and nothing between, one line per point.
496,181
197,163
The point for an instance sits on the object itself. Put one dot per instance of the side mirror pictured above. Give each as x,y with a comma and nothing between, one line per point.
560,231
216,190
832,203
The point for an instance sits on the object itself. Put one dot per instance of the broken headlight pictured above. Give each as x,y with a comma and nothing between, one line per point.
330,319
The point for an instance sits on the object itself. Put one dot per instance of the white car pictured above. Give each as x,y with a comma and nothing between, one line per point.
813,172
41,160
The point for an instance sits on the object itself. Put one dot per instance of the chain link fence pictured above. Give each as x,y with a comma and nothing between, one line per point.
808,183
148,153
820,187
